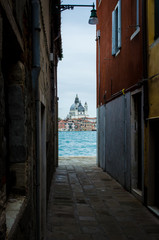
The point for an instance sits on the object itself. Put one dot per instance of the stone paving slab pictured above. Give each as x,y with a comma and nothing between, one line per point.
85,203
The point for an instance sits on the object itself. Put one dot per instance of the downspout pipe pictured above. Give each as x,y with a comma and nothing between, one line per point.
98,107
145,76
145,58
125,142
35,82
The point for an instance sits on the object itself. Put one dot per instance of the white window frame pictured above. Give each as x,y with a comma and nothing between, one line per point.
137,21
116,29
99,2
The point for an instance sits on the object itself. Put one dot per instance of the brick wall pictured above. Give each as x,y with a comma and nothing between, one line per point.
18,117
2,147
17,123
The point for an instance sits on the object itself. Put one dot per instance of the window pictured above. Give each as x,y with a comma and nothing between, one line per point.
135,3
99,1
116,29
156,19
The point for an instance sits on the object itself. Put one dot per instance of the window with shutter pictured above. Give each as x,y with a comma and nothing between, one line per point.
113,34
119,24
116,29
135,7
99,1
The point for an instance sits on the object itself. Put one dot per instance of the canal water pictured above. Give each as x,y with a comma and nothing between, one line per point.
80,143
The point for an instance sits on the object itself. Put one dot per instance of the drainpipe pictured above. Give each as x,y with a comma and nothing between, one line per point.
125,142
145,85
98,127
35,81
145,58
55,106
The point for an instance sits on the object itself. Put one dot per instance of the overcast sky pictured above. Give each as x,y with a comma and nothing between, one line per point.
77,70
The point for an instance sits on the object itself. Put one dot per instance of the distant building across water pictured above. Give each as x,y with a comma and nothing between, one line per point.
77,119
77,110
81,124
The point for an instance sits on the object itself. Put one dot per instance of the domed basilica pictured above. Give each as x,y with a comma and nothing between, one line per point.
77,110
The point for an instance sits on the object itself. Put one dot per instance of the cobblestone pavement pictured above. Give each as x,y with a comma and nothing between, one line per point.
87,204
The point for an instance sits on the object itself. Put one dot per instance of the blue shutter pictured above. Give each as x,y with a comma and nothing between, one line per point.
137,13
119,24
113,33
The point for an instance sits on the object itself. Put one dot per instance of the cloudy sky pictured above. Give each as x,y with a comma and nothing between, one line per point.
77,70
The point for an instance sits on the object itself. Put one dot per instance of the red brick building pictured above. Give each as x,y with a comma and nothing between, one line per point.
121,91
121,65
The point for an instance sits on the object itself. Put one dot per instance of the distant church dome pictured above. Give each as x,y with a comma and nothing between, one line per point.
81,108
76,99
77,110
73,107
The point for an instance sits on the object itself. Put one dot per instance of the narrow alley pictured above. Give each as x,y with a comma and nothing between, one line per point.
85,203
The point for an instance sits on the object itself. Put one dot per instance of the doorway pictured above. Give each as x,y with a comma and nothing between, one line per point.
43,171
136,162
153,192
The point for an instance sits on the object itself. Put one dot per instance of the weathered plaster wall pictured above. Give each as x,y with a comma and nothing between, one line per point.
154,97
45,8
153,57
150,22
151,126
46,95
